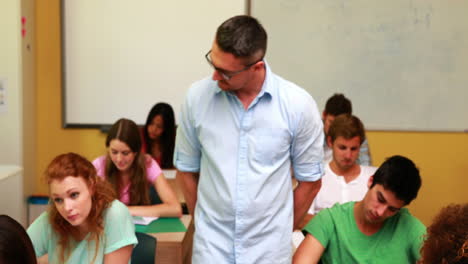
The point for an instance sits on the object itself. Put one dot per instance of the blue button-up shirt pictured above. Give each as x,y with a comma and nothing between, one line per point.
244,209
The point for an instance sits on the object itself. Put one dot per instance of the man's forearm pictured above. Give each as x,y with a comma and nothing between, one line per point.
304,195
189,183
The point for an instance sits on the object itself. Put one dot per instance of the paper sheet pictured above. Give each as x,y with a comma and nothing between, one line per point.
143,220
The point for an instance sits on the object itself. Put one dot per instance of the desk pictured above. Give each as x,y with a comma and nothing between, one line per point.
175,247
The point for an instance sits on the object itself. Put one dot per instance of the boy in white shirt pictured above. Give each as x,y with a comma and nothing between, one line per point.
344,179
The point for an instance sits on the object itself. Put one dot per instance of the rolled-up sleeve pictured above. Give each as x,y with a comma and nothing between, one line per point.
187,149
307,145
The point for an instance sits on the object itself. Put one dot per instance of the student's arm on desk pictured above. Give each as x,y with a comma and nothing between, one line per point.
310,251
189,183
170,206
304,194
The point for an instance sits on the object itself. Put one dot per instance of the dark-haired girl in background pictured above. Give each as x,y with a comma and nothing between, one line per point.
159,134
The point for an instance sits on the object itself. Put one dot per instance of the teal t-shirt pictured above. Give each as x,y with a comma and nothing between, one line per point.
119,231
398,241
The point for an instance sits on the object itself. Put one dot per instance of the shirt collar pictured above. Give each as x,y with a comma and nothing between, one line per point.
267,83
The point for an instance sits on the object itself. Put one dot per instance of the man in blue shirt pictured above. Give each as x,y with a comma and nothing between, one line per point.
241,134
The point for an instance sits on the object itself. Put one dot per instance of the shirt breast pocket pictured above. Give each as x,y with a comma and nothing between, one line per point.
270,145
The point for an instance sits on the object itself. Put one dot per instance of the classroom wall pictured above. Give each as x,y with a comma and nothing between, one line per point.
442,157
414,52
29,97
52,139
17,121
10,75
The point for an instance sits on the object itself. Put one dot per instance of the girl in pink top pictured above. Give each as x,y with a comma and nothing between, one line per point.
131,172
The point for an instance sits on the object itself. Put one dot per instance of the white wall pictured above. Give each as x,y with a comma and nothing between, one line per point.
17,118
11,181
10,73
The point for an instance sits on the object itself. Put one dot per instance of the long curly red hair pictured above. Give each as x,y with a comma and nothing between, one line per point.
102,194
447,237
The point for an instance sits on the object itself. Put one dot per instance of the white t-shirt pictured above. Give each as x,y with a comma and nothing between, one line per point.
336,190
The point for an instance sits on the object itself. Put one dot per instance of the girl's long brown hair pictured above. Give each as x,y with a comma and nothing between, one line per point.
126,130
102,194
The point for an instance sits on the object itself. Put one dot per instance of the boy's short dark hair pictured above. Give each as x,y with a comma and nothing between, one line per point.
399,175
338,104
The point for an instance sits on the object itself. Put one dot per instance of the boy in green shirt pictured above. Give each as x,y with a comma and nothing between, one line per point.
374,230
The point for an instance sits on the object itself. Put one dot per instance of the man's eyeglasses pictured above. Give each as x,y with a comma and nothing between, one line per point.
227,75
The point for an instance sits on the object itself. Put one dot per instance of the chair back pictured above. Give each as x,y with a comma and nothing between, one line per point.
154,196
145,251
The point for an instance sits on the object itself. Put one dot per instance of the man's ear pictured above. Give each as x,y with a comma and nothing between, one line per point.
259,65
324,114
370,181
329,141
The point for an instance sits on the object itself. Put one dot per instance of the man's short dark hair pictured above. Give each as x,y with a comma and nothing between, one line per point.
347,126
338,104
244,37
399,175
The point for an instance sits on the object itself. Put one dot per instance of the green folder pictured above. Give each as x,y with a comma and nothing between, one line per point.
162,225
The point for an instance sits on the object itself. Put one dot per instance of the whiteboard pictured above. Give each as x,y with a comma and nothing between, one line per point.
120,57
403,63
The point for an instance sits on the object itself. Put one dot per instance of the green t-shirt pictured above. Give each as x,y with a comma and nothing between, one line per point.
398,241
119,231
